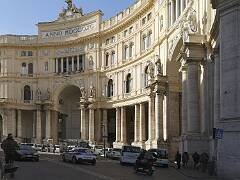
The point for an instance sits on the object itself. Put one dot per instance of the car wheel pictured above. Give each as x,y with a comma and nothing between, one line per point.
36,159
74,160
122,163
63,158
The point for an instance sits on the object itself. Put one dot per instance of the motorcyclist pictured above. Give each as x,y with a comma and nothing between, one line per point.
145,160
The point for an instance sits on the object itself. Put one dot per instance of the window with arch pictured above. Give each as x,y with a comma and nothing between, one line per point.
126,52
30,68
144,42
110,88
27,93
113,57
128,83
24,68
131,49
106,59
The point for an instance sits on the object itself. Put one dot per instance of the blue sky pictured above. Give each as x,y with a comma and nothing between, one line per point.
21,16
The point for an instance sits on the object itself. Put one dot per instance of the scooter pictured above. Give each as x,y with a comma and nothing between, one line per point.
144,167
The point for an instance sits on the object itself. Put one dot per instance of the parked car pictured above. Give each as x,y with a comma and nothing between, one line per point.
26,152
79,155
38,147
114,153
57,149
98,150
160,156
129,154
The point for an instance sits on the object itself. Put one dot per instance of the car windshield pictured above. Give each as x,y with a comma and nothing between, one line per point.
82,151
131,149
25,147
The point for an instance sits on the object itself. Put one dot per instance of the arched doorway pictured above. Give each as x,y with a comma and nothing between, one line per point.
69,113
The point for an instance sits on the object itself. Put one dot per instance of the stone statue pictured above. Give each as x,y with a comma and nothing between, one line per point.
48,94
92,92
150,70
192,20
83,92
70,4
38,92
159,66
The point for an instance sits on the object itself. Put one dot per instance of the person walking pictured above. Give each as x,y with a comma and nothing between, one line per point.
178,159
196,158
185,158
204,161
9,146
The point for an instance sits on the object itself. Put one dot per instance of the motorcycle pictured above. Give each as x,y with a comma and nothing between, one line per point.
144,166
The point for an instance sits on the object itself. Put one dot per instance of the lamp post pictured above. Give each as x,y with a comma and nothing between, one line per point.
104,140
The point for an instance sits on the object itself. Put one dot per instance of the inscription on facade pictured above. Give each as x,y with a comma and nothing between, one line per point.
69,51
70,32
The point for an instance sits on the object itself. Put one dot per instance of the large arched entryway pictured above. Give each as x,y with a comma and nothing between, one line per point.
69,113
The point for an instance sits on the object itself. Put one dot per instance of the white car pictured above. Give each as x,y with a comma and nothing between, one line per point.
114,153
79,155
129,154
98,150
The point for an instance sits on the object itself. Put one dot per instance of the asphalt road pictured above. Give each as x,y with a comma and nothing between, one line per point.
53,169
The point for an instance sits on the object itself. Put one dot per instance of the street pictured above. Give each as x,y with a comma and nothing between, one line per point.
54,169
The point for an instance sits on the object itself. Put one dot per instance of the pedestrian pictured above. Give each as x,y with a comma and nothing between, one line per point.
54,148
204,161
9,146
185,158
196,158
178,159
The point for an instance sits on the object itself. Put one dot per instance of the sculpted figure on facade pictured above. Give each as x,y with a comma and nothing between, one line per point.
83,92
92,92
150,70
159,66
192,19
48,94
39,94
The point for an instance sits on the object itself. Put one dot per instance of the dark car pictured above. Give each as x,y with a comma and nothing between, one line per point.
27,153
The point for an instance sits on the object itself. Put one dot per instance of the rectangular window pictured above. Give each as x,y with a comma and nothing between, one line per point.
46,66
149,16
130,30
125,33
143,20
30,53
23,53
107,41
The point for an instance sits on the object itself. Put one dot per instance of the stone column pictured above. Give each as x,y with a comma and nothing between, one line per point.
83,124
172,12
48,124
34,124
118,124
73,64
39,127
136,123
105,122
91,124
159,116
182,5
177,8
216,87
184,99
151,121
142,125
19,124
61,65
193,97
123,126
67,59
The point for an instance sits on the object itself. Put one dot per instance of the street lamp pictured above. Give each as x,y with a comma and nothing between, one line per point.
104,140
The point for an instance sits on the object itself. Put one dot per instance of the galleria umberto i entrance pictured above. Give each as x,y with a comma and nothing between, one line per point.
149,77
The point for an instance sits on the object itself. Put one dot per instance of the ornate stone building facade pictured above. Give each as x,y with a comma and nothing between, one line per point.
150,76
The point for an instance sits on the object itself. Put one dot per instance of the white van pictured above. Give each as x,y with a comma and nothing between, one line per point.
129,154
